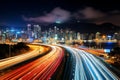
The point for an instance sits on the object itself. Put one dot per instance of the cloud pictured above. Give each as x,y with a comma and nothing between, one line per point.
89,13
56,14
97,16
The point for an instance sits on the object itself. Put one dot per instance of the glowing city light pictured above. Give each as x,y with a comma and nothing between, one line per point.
18,32
12,30
58,22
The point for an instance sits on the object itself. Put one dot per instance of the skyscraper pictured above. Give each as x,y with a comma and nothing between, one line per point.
29,32
37,31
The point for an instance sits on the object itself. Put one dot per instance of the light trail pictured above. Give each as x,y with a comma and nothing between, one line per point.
89,67
20,58
41,69
80,65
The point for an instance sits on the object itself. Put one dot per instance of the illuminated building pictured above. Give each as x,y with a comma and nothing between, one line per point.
78,36
37,31
71,36
29,32
97,35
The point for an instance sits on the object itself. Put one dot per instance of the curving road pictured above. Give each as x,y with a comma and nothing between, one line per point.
41,69
70,65
80,65
5,63
89,67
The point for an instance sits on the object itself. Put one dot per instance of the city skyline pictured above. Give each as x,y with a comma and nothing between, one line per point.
56,33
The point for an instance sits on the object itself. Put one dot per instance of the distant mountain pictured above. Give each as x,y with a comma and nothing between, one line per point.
88,27
109,28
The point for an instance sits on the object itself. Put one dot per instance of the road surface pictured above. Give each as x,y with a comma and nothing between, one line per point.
80,65
89,67
5,63
41,69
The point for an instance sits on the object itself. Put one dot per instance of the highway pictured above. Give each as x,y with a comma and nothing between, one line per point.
79,65
5,63
40,69
70,66
89,67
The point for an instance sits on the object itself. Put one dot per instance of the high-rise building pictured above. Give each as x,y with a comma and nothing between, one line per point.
78,36
55,29
91,36
0,32
71,36
98,35
29,32
29,27
37,31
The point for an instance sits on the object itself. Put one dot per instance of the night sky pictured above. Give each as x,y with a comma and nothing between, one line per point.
19,13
